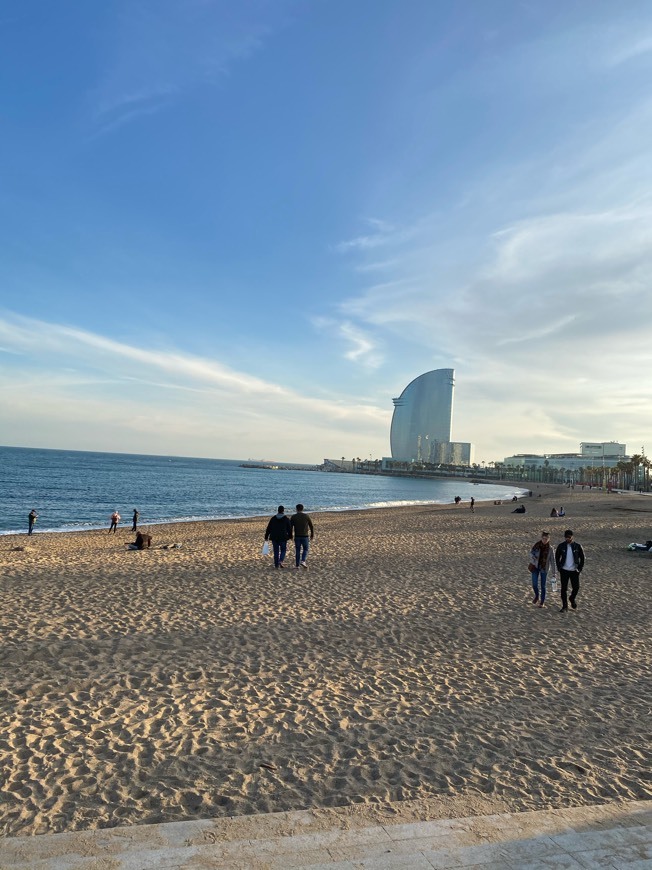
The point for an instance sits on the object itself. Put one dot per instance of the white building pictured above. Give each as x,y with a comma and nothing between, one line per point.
594,454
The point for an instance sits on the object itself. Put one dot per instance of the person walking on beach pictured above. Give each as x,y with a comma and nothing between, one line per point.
31,519
569,557
134,526
472,505
304,532
542,560
279,530
115,519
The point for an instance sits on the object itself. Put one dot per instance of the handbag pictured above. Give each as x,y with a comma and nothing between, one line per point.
265,550
531,568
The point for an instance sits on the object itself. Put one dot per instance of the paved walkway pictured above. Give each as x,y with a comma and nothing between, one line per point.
616,835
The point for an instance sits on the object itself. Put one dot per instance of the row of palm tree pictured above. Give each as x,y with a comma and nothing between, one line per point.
631,474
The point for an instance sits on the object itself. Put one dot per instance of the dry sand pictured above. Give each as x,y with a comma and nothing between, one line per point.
406,663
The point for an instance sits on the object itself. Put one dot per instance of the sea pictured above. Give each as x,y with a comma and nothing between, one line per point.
75,490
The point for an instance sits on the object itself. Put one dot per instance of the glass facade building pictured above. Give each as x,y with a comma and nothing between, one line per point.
423,417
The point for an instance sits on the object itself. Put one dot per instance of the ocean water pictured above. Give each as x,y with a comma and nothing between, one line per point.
73,490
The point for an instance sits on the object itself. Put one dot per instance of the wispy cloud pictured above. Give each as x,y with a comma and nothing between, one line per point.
364,350
630,49
360,347
158,50
56,346
382,234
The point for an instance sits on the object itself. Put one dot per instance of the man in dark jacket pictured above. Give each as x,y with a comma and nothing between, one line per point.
569,557
279,531
303,534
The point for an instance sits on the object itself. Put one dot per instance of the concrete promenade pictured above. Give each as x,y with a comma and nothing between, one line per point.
615,835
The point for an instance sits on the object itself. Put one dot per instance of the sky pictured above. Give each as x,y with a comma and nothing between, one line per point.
238,229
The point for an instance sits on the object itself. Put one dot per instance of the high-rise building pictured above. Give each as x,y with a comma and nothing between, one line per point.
423,417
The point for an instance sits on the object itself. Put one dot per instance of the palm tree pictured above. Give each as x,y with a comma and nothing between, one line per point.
636,461
621,470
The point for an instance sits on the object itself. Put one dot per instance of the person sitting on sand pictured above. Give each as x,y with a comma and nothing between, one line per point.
562,512
115,519
554,512
142,542
519,510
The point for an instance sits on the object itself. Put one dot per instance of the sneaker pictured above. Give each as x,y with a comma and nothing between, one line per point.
542,604
281,565
572,604
303,565
535,599
563,609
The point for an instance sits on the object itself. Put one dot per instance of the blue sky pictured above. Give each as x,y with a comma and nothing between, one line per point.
238,229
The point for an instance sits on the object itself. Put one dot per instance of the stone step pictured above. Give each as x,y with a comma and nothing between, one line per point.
615,835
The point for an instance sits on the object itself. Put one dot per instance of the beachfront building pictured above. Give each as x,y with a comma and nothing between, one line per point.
593,454
423,415
422,422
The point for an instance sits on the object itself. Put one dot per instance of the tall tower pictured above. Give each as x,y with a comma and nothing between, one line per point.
423,415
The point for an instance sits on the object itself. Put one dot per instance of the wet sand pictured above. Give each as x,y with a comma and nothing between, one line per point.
407,663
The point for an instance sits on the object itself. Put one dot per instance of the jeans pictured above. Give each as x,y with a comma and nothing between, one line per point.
301,546
539,573
280,549
574,577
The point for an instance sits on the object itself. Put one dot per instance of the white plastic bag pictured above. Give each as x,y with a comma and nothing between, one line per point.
265,550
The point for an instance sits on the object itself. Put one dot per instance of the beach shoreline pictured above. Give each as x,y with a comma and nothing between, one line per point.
126,521
407,663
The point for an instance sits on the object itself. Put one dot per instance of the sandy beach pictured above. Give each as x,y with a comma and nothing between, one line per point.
406,663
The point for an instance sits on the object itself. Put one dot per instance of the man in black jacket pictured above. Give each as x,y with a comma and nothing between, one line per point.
569,557
280,532
303,533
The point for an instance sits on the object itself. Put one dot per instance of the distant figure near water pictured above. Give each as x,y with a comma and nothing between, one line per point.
135,520
472,505
33,516
115,519
458,499
519,510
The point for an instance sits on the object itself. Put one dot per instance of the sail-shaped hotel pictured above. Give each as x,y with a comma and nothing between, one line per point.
423,419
